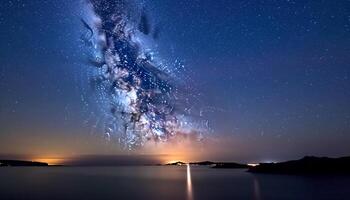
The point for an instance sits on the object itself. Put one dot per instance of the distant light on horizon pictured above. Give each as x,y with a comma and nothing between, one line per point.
253,164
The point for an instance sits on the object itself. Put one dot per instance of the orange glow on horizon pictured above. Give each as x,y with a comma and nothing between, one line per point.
179,149
50,161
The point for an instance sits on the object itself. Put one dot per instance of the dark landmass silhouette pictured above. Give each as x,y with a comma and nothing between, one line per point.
306,165
176,163
205,163
212,164
232,165
8,163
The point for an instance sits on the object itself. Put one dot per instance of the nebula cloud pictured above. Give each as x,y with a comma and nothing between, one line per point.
143,97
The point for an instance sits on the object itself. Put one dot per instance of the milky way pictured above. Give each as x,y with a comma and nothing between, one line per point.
143,97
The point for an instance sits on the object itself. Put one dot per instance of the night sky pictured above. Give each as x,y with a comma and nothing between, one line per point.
259,80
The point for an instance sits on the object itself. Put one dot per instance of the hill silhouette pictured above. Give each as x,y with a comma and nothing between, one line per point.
7,163
306,165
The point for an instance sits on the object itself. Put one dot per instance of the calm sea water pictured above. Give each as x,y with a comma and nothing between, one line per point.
164,183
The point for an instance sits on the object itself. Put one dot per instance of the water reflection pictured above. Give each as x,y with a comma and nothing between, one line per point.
189,183
164,182
257,194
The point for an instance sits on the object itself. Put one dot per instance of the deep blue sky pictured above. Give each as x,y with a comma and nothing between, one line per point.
270,74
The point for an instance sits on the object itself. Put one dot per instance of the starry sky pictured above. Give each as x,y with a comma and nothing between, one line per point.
271,79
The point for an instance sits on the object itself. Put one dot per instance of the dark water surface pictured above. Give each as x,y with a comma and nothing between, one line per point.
163,183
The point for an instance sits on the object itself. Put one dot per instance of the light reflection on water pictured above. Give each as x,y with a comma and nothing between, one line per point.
164,182
189,183
257,194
